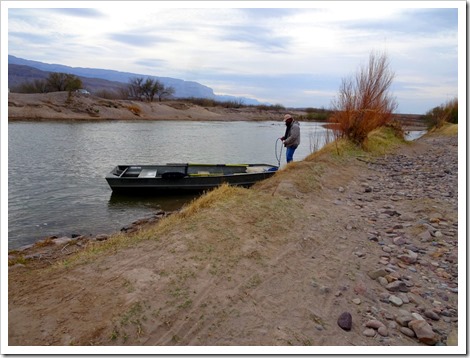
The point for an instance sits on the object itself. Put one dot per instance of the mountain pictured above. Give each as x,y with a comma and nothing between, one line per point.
22,70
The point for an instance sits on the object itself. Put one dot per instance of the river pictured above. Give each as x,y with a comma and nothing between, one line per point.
56,170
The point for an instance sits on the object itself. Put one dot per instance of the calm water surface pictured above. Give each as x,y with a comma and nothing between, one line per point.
56,171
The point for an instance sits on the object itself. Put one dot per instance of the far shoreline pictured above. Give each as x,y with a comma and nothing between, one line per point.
59,107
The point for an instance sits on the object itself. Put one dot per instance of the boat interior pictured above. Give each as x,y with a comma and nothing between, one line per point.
172,171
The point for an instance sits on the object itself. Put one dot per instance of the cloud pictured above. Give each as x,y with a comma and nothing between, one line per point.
138,40
78,12
29,37
258,37
152,63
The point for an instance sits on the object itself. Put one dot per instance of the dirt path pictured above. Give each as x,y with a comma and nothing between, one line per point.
374,238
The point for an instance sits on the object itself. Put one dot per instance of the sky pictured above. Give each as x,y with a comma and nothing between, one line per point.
290,53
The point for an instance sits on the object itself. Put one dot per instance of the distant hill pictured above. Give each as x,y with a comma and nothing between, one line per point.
22,70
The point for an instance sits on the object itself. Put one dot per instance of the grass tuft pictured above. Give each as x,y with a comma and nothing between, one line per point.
446,129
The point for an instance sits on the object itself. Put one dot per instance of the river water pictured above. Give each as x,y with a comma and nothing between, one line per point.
56,171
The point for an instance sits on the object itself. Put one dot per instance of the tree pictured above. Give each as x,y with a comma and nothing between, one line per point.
63,82
141,89
165,92
364,102
135,87
150,88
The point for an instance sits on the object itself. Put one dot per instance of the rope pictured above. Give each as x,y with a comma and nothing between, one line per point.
278,157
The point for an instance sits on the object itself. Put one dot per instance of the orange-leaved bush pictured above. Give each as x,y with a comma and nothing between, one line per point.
364,102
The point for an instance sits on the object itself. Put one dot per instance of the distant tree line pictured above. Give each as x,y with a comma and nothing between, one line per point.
56,81
137,88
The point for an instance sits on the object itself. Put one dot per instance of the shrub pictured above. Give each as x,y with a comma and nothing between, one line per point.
363,103
447,112
35,86
108,94
134,109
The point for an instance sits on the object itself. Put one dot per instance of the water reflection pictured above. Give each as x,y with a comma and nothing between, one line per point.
119,201
413,135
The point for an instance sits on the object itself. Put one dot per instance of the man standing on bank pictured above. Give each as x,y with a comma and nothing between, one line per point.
291,138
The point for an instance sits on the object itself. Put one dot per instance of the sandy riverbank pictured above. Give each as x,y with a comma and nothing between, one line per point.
276,265
57,106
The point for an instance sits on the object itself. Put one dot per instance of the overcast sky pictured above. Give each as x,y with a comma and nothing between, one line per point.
295,54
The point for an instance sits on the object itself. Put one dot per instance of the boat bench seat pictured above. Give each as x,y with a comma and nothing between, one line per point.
148,173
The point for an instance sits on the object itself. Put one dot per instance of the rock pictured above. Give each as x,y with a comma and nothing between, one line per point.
423,332
386,249
399,241
383,331
403,297
101,237
407,331
408,217
374,323
356,301
432,315
383,281
62,240
369,332
417,316
397,286
345,321
377,273
397,301
404,319
384,261
425,236
391,278
410,258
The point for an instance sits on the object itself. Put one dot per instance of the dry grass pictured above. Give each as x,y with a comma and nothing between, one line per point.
381,141
218,209
43,243
447,129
